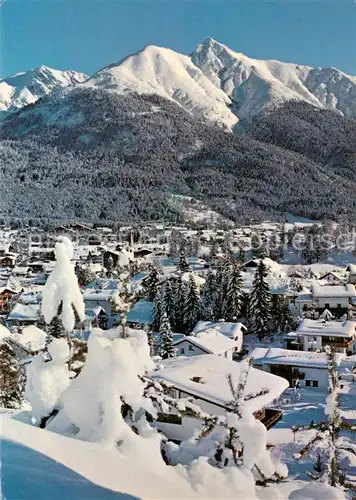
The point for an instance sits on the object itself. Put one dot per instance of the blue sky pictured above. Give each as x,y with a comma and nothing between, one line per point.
88,34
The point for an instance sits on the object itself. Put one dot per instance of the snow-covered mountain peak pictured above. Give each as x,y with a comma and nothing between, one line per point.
158,70
27,87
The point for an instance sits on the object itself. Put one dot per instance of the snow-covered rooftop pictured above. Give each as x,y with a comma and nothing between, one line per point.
32,338
214,386
277,356
211,341
231,330
24,312
141,313
320,291
322,327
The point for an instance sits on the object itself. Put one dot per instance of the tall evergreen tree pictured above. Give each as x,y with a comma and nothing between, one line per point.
157,312
260,302
233,300
56,329
151,283
168,301
183,265
12,378
192,306
167,349
109,267
223,276
180,293
208,297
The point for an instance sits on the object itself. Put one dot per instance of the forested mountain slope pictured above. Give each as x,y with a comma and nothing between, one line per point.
94,155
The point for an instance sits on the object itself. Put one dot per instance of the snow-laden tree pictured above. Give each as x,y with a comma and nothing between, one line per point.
107,402
12,378
167,349
209,297
168,301
84,275
282,318
61,295
157,312
233,299
46,381
183,266
180,294
151,283
192,305
223,276
326,439
260,302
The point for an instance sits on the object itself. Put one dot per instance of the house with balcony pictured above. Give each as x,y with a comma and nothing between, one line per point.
207,342
314,335
308,369
203,380
338,299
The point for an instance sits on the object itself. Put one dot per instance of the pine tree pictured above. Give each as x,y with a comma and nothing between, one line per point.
260,302
183,265
192,306
179,293
167,349
109,267
56,329
168,302
233,301
208,297
213,249
151,283
157,312
12,378
223,276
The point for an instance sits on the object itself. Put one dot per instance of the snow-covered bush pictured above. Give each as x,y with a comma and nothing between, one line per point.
46,380
106,402
61,295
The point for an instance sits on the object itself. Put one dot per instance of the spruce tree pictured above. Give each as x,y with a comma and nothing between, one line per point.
151,283
109,267
56,329
208,297
183,266
180,293
12,378
223,275
167,349
157,312
168,302
233,300
260,303
192,306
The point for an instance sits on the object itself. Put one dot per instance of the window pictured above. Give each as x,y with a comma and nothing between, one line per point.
307,383
169,418
182,351
171,392
191,348
327,306
315,383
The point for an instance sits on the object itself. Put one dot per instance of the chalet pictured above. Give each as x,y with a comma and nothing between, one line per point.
231,330
333,278
339,299
203,378
310,369
8,260
23,314
352,273
207,342
316,334
6,297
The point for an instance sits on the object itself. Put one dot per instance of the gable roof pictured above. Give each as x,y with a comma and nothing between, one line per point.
213,386
212,342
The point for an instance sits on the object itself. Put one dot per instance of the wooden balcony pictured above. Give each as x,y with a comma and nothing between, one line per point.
271,417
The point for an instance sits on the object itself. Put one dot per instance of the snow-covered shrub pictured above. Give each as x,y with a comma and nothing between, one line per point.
46,380
106,402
